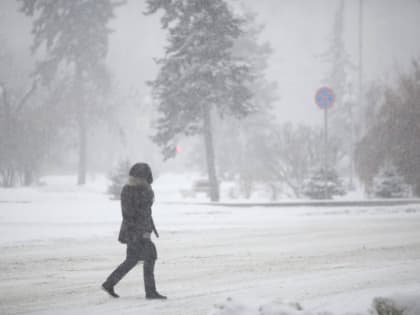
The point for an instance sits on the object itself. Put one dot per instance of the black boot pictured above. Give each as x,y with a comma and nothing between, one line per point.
155,296
149,281
109,290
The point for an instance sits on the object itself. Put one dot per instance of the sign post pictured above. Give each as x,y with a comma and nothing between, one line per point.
325,99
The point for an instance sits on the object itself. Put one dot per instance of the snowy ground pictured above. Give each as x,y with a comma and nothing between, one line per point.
58,243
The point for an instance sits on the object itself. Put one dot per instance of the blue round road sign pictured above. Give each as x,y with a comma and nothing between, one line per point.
325,97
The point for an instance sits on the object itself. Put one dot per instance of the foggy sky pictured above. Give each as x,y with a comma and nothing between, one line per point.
298,31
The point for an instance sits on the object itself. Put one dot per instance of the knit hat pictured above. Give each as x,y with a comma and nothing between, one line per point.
141,170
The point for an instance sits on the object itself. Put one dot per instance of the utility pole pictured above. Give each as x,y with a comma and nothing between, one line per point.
352,139
360,96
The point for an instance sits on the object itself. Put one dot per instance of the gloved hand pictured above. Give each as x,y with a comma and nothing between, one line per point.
146,235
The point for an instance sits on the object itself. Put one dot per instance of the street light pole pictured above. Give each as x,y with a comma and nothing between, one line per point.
325,138
360,52
325,152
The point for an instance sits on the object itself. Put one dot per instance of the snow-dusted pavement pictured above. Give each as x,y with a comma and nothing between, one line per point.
57,247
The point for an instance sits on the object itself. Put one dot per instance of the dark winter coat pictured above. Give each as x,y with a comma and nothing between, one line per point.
136,205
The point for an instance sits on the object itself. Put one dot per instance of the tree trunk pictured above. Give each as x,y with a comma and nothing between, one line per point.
81,178
211,169
82,124
28,176
417,188
246,187
274,192
9,177
8,154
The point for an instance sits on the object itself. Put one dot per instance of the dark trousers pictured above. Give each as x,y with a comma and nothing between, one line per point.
144,250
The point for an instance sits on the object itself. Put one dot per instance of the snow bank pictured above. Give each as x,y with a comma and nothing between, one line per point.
278,307
397,305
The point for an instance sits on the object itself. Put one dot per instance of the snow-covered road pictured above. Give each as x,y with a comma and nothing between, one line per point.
57,248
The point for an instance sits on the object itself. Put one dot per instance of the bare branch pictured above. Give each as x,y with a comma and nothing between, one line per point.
119,3
26,96
5,98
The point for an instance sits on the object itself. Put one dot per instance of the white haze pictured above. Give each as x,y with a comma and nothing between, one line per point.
298,31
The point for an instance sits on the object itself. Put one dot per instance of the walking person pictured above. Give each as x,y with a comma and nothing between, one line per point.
137,197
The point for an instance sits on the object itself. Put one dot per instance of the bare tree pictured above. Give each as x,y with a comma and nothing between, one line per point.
394,135
75,35
14,103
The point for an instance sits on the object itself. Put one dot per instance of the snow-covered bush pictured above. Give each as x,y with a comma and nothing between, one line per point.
323,184
118,178
397,305
389,184
279,307
228,307
384,306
